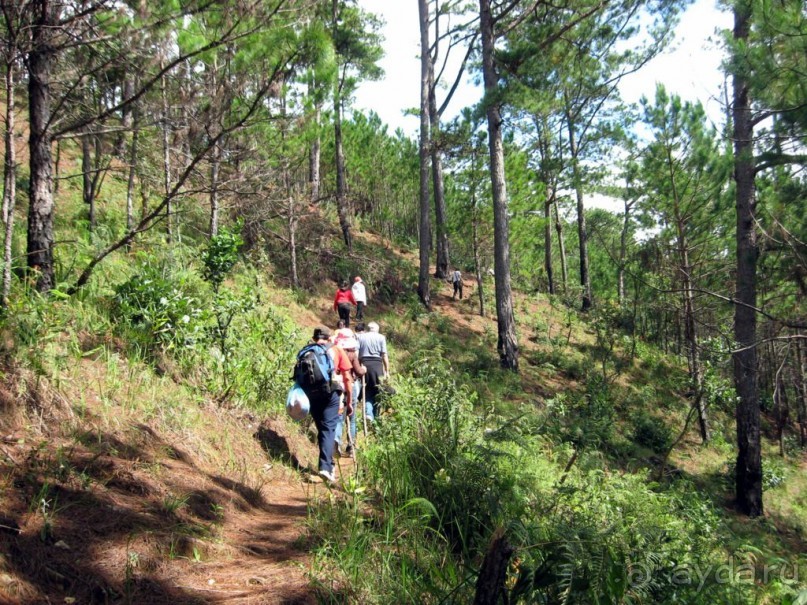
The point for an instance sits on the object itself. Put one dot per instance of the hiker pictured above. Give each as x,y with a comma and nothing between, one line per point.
343,302
373,355
350,346
456,279
325,400
342,332
360,295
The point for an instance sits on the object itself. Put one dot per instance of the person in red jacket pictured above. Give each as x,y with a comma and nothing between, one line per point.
344,302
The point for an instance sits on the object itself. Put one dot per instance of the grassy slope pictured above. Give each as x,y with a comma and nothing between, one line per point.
119,483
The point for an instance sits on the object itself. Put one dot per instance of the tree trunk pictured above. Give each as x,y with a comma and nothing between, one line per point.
507,344
341,197
215,167
40,189
166,158
781,408
564,268
477,261
9,178
88,195
424,156
749,451
623,253
548,246
493,573
341,187
801,393
127,116
441,267
130,186
314,159
582,233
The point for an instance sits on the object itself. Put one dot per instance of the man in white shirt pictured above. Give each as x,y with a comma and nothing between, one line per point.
360,294
456,280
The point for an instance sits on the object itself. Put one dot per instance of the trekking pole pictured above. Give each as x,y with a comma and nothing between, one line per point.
363,407
347,428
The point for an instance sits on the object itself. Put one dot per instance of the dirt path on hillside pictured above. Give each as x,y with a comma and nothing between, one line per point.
136,517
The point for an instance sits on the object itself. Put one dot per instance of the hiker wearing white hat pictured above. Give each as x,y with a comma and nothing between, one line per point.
350,346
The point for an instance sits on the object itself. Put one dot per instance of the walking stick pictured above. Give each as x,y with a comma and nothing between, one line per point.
363,407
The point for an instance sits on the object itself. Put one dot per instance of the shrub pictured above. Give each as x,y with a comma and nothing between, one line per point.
651,432
160,308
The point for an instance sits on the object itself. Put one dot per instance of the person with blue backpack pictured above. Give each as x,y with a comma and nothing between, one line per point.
317,363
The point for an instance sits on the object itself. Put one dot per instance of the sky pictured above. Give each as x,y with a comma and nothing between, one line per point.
691,69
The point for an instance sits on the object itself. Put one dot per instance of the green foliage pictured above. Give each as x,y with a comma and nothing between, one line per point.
158,307
221,254
586,420
651,432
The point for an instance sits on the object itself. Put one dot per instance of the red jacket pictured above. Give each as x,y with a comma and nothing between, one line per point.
343,296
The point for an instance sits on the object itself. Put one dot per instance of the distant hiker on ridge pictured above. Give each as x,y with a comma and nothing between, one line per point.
360,294
456,279
343,302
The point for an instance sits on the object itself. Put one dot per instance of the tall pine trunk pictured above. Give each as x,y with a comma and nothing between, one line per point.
166,157
9,177
507,344
582,231
550,279
564,267
441,266
40,189
424,156
749,452
314,158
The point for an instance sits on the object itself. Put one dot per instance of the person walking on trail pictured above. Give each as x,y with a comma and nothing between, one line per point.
343,302
360,295
350,346
456,280
325,400
373,355
342,332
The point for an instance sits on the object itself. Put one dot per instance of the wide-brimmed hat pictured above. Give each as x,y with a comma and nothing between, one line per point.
349,344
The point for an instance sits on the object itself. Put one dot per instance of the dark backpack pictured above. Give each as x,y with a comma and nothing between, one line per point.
314,368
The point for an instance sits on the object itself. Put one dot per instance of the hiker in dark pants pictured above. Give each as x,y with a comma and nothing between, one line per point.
360,296
325,410
343,302
456,279
373,356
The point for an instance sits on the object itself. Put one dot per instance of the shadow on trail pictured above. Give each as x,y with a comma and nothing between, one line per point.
104,521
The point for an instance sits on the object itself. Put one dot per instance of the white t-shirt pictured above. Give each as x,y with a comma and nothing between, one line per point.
359,293
456,277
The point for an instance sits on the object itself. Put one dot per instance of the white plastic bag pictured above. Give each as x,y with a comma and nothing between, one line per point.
297,404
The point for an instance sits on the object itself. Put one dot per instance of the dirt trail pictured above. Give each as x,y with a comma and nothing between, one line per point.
110,508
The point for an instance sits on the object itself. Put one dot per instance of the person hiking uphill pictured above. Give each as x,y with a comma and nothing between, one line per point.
342,332
373,355
325,400
360,295
343,302
350,347
456,280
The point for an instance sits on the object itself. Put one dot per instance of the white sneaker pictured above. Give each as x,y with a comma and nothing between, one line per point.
328,476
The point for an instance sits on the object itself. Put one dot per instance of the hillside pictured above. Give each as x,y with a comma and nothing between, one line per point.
122,483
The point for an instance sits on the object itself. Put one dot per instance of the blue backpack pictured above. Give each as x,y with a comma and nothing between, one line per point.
314,368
